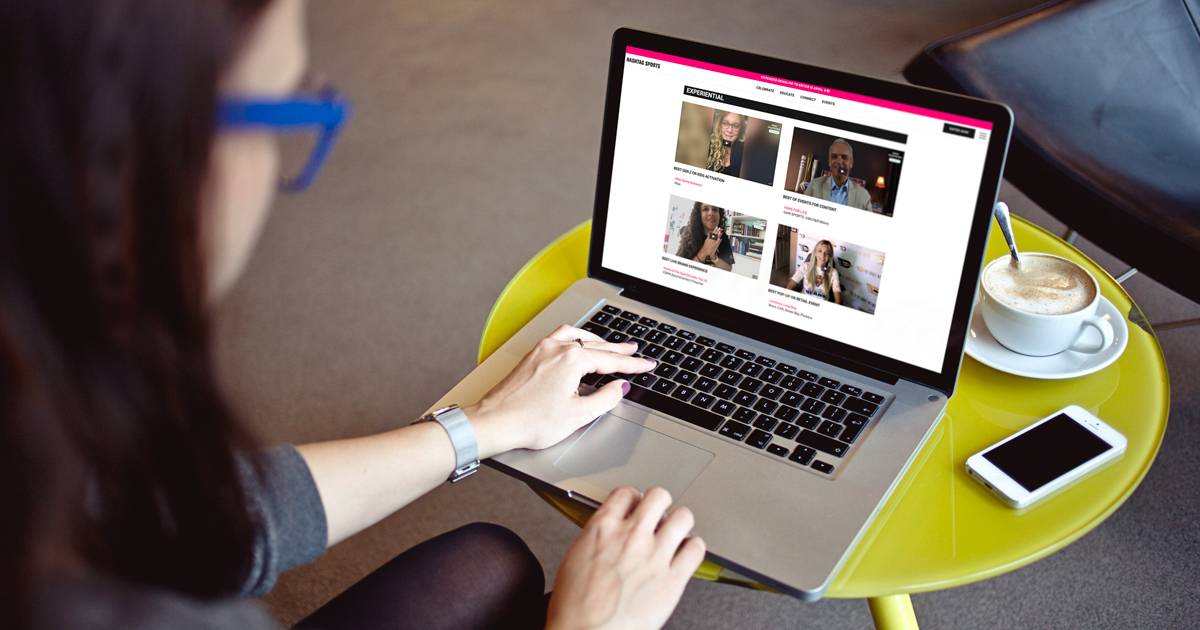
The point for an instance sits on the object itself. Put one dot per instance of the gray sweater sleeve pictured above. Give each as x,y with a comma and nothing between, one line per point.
292,527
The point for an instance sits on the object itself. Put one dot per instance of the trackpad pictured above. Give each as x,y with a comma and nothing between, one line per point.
617,452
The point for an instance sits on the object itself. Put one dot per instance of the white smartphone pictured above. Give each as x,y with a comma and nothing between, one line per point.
1046,456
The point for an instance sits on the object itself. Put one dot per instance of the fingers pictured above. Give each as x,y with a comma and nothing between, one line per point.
688,558
674,529
650,510
626,348
618,505
603,400
614,363
571,333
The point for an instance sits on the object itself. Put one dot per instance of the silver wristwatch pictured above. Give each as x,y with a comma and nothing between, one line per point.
462,437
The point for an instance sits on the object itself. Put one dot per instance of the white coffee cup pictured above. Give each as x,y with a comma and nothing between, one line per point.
1043,308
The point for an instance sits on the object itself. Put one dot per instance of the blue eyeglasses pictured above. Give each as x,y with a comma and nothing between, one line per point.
322,111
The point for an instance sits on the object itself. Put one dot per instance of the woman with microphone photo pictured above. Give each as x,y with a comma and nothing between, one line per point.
819,276
702,239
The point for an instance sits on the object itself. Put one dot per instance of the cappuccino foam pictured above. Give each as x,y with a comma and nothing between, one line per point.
1043,285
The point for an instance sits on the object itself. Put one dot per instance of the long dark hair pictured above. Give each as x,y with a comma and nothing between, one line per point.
693,234
116,450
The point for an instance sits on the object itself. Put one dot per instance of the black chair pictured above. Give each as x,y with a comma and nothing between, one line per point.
1106,97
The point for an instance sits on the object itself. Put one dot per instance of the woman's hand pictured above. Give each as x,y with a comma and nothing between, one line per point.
626,570
537,405
709,248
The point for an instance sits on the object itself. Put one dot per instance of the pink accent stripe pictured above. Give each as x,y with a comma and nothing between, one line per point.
808,87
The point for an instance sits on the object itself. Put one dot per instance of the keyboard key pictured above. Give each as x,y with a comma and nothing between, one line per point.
771,391
712,356
645,379
785,368
729,377
685,377
686,334
812,405
821,466
834,413
617,337
619,324
802,455
637,330
744,415
808,421
692,363
745,398
665,371
674,343
745,354
731,363
851,390
832,429
672,407
812,390
833,397
850,433
759,439
734,429
595,329
663,386
601,318
750,385
646,321
786,431
704,384
766,362
765,406
672,357
751,369
858,405
786,413
656,336
828,382
725,391
705,341
765,422
684,393
872,397
806,375
791,382
710,370
822,443
629,315
667,328
776,449
703,400
653,351
724,347
854,419
693,349
792,398
724,407
605,380
771,376
609,308
641,343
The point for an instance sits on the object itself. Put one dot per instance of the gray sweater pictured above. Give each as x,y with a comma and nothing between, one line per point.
294,533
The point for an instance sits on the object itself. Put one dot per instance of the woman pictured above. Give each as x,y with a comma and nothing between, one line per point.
134,497
726,142
702,239
819,276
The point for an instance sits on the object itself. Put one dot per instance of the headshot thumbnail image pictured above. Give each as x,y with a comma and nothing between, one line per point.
710,235
728,143
834,271
849,172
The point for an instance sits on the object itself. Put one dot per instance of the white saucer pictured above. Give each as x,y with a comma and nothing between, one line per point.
984,348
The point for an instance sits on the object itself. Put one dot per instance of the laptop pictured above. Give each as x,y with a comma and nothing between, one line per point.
799,249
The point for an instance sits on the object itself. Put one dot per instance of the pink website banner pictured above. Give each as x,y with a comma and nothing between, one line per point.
808,87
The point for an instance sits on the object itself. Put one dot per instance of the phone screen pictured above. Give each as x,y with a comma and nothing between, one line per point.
1046,452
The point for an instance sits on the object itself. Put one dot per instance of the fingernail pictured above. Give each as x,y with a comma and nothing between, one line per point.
631,343
625,388
653,362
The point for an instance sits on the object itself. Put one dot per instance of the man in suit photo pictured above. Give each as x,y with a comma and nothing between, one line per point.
838,187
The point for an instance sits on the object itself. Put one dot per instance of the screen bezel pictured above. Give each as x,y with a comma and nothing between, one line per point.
768,331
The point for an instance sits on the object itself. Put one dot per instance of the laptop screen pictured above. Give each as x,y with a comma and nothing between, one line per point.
836,213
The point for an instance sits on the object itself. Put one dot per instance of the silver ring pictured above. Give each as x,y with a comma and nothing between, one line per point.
580,342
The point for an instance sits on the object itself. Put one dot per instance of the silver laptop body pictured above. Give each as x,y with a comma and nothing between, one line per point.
762,515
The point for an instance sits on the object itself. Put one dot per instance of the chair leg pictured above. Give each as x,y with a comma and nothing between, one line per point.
1070,236
893,612
1129,273
1180,323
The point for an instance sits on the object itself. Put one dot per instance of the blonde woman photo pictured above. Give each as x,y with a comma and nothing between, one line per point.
819,276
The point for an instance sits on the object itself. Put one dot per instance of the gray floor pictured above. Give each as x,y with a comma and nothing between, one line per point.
473,144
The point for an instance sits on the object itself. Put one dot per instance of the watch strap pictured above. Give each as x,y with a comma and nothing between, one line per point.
462,437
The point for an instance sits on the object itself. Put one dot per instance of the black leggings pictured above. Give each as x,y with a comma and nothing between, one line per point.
477,576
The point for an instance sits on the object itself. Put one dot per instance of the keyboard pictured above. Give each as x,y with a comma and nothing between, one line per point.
783,411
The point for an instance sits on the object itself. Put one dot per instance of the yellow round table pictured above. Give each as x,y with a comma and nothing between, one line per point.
940,529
